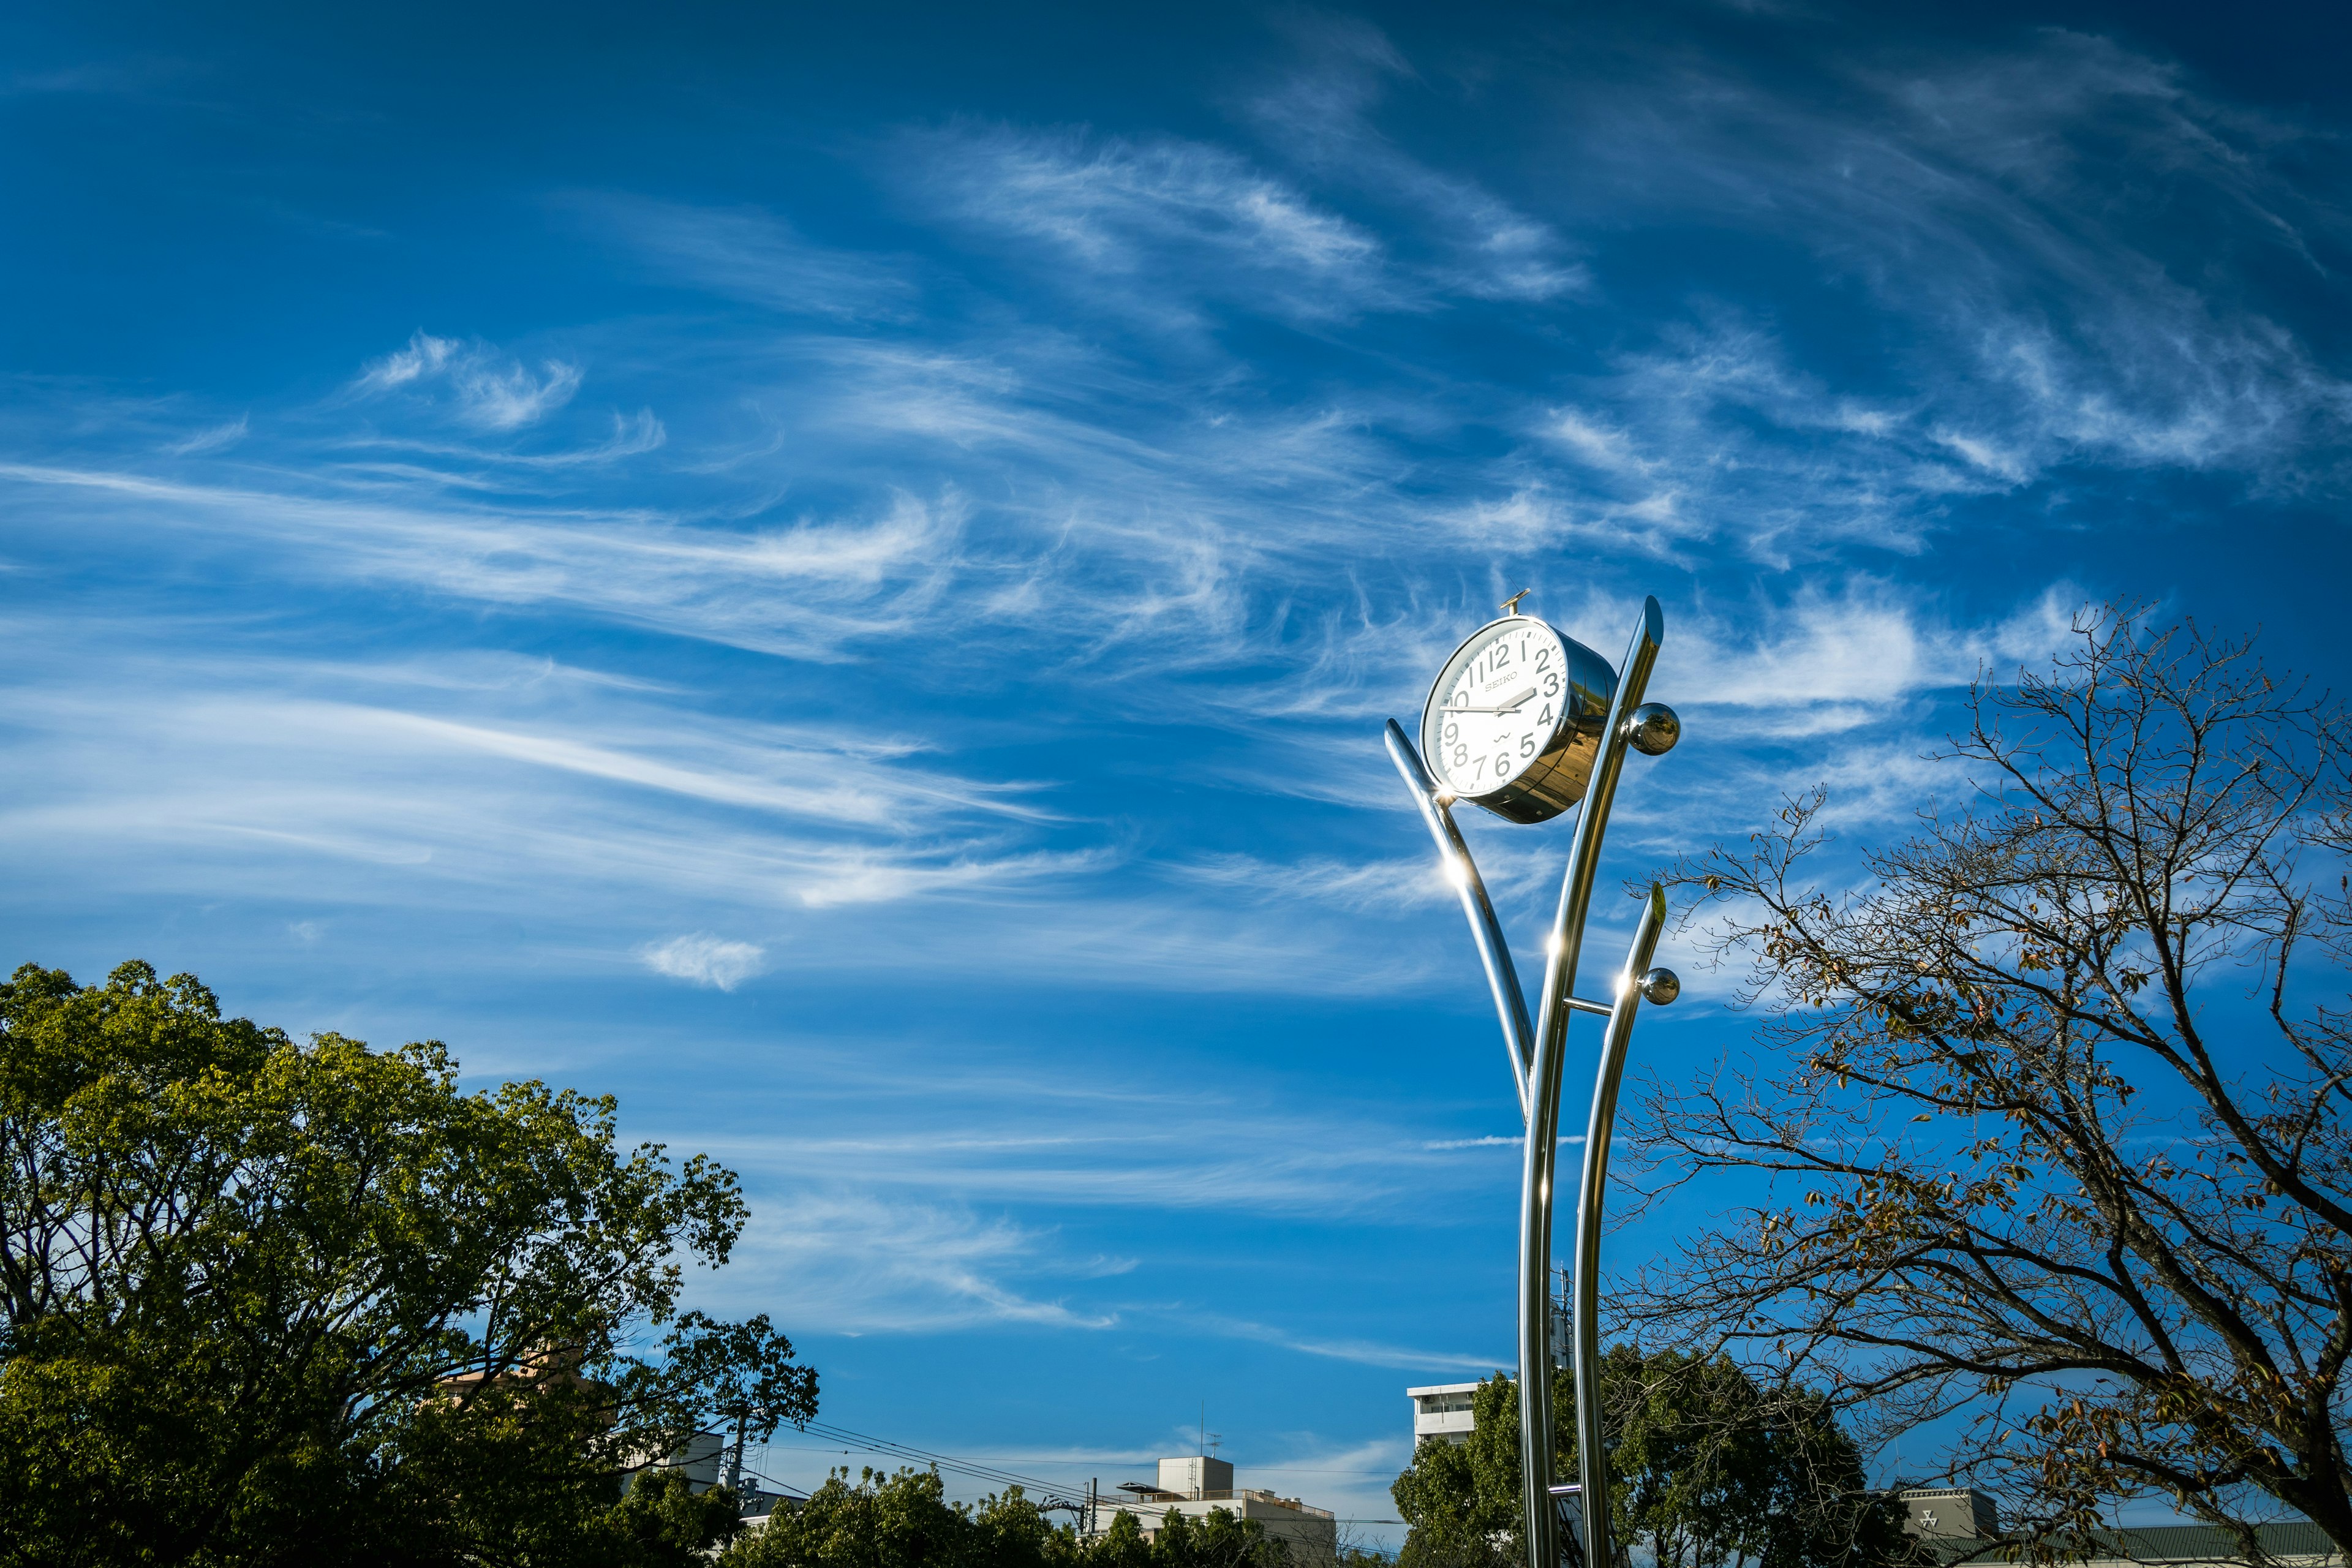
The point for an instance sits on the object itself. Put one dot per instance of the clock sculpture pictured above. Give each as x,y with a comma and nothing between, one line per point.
1526,723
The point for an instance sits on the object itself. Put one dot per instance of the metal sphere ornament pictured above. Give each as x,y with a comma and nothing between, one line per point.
1653,729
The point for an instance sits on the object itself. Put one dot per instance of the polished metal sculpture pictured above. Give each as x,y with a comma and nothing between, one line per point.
1575,748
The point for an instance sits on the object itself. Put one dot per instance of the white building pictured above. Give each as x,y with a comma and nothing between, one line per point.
1440,1410
1195,1484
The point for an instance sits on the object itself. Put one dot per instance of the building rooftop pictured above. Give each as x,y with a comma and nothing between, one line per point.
1199,1478
2296,1545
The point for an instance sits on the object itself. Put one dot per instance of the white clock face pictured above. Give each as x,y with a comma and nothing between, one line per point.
1497,707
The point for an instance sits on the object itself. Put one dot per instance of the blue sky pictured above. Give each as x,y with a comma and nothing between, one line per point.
836,574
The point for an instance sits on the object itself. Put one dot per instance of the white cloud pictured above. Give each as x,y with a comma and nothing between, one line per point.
213,438
1597,445
799,589
505,397
425,356
704,960
492,393
1823,663
1366,1352
834,1259
1359,887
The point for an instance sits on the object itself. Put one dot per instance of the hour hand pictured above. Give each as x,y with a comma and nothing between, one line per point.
1510,707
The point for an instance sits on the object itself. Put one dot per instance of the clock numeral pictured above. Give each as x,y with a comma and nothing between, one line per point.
1543,656
1551,684
1527,745
1544,719
1454,731
1461,756
1502,764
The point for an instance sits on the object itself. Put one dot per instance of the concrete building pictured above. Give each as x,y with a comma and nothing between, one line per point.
1197,1483
1958,1514
1961,1522
1442,1410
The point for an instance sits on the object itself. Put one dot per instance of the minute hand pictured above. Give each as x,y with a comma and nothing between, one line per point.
1510,707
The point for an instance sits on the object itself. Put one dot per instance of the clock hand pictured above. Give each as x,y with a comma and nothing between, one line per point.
1513,705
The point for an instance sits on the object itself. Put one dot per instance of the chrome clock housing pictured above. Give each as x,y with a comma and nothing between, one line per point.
1541,787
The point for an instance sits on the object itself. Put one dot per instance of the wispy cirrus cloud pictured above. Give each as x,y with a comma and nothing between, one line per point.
1322,116
1972,201
839,1259
1366,1352
797,587
211,438
1157,224
750,254
505,777
487,390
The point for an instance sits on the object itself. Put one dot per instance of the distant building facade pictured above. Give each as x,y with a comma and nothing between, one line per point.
1194,1484
1442,1411
1959,1522
1958,1514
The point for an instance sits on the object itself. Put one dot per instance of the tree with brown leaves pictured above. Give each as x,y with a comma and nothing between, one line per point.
2052,1146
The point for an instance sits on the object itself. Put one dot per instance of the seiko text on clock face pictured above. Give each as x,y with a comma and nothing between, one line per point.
1497,706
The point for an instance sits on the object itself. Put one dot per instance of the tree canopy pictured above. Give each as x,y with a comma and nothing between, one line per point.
2051,1135
905,1520
277,1302
1706,1468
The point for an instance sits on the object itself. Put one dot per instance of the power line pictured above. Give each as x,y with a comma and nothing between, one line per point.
971,1468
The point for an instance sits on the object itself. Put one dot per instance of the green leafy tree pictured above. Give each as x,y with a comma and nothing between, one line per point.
1015,1533
901,1521
663,1522
1461,1500
1219,1539
1121,1544
1706,1467
277,1302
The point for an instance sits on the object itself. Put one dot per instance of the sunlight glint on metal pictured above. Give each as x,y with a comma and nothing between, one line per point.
1578,741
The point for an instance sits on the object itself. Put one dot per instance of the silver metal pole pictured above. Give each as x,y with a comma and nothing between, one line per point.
1543,1110
1485,930
1591,1458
